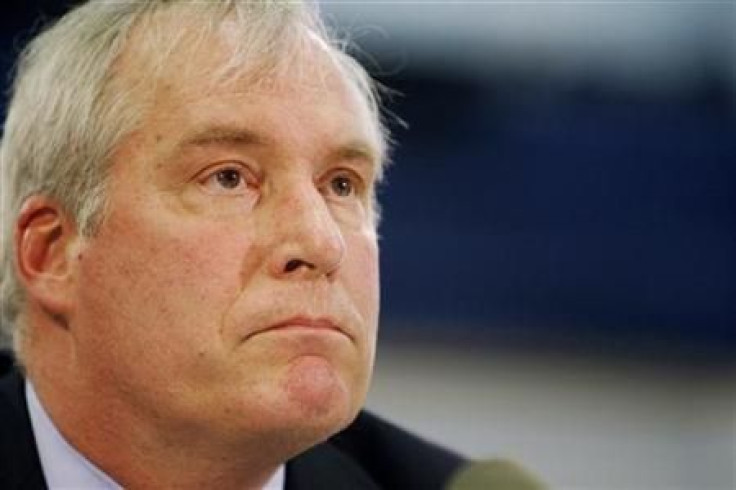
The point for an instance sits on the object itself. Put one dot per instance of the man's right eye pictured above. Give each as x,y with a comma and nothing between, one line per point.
230,180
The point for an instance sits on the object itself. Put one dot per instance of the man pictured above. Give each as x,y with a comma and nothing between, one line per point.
190,258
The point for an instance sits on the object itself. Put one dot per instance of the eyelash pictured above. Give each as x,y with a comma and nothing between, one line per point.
356,183
245,179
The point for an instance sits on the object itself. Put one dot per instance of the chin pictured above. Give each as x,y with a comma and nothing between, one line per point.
318,400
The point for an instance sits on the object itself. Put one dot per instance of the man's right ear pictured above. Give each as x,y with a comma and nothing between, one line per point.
44,236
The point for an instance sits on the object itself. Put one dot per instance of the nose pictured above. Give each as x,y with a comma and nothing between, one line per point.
307,241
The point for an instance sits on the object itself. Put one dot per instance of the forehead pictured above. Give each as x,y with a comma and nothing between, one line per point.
196,63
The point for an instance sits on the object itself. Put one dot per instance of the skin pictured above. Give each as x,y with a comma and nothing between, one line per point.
224,316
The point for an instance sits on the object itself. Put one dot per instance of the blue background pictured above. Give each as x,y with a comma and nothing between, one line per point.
586,215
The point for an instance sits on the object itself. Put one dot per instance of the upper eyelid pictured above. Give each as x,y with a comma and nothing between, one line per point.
360,185
212,169
360,175
364,179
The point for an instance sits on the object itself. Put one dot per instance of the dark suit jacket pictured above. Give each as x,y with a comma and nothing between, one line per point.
370,454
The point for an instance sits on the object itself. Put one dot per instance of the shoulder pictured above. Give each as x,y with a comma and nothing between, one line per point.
12,403
12,406
20,466
392,451
6,361
384,455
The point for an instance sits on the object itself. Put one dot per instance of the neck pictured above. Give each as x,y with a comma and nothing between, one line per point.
135,457
140,453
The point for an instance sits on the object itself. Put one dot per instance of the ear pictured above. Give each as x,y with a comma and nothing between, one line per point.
44,242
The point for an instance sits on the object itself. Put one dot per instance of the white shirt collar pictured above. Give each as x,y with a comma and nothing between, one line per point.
65,468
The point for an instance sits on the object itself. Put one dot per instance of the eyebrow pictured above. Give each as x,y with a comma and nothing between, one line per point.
223,135
354,150
357,151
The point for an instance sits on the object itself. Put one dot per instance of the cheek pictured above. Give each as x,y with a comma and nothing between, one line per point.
362,273
361,276
160,278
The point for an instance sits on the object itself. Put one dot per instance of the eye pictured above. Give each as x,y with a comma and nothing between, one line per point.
342,185
230,179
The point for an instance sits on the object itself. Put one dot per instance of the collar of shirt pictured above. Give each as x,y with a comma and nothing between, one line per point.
65,468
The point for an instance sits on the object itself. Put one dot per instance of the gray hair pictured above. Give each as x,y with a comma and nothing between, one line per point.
69,109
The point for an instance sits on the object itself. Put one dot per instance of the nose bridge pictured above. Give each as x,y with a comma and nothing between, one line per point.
306,230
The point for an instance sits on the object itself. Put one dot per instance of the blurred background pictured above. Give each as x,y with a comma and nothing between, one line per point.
558,240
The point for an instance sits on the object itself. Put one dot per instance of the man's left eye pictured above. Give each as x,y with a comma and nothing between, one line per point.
228,178
342,186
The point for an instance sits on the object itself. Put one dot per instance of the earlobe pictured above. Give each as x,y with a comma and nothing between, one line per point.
43,237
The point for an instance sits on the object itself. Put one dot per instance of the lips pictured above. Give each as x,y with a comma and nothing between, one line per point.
322,324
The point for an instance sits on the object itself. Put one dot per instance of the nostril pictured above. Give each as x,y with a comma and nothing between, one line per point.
294,264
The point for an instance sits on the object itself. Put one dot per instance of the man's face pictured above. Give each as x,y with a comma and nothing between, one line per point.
233,286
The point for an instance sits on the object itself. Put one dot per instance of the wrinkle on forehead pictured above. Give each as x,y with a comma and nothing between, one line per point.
229,45
173,47
175,56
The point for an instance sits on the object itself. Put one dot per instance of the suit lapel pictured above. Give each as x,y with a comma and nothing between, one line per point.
20,466
324,467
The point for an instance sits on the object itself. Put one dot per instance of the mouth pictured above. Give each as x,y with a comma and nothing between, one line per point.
322,325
